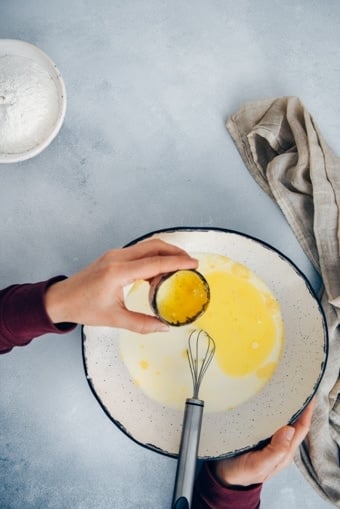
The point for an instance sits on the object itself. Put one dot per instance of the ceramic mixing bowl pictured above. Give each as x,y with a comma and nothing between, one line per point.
234,419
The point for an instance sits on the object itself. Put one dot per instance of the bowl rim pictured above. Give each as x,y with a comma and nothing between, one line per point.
294,417
12,47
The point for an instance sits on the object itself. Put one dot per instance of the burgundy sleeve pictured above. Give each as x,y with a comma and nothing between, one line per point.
23,315
209,493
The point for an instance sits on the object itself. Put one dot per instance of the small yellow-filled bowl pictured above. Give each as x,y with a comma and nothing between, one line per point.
180,297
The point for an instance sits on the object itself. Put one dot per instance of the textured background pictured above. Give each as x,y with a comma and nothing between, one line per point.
144,146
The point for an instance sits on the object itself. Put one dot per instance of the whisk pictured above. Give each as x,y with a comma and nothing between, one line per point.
201,349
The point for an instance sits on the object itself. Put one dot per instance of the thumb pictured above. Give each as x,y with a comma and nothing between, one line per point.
139,322
283,437
277,451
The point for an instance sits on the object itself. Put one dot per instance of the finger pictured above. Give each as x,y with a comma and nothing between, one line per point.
147,268
154,247
282,440
305,418
141,323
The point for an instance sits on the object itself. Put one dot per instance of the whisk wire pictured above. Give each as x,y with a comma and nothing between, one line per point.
199,363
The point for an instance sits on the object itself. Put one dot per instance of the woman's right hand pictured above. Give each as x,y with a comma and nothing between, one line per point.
94,296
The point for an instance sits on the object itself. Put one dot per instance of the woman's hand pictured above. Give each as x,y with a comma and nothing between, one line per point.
258,466
94,296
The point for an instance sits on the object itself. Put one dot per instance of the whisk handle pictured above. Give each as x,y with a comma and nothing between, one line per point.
186,465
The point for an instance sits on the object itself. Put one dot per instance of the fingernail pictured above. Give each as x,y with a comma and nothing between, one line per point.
162,327
289,433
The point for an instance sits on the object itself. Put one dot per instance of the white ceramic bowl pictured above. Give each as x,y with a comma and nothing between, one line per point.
281,400
17,48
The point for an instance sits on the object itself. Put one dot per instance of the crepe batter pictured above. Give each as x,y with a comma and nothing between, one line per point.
243,318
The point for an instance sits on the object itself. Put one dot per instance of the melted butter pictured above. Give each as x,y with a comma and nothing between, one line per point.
240,321
267,370
240,271
181,297
244,319
184,354
144,364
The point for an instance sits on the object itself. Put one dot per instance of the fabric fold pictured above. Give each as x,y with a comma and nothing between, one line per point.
287,156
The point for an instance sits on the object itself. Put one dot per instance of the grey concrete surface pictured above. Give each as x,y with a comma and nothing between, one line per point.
144,146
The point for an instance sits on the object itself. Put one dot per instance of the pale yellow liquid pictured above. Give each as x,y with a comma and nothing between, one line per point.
240,320
243,317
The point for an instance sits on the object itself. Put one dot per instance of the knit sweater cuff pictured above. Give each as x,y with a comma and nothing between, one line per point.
23,314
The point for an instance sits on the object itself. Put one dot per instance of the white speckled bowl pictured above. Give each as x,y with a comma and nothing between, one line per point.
281,400
24,49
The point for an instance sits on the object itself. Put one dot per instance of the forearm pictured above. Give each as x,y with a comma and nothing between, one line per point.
23,314
209,493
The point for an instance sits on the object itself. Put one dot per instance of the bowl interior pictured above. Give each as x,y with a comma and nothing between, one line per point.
27,50
226,432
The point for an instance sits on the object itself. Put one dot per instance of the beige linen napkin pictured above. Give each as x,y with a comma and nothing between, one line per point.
284,151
